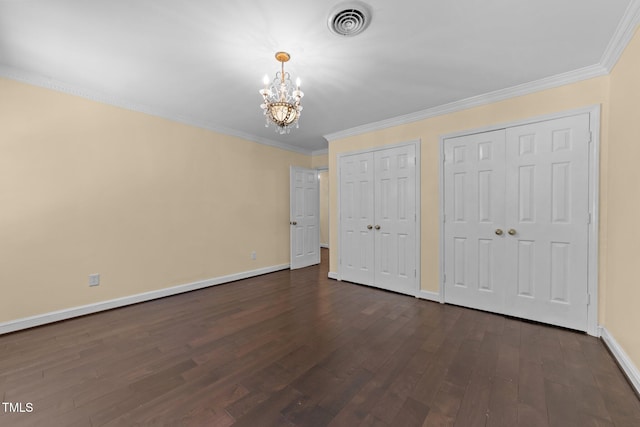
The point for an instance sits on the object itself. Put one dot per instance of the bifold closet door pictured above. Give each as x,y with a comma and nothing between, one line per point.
378,217
516,221
356,218
395,219
474,186
547,210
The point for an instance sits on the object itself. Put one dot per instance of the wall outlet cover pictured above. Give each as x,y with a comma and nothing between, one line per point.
94,279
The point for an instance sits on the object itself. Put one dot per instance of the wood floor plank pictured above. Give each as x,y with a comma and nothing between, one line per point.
532,403
503,403
372,421
293,348
344,391
474,409
269,412
360,406
412,413
445,405
561,405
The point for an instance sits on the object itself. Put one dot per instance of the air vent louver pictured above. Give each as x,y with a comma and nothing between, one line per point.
349,19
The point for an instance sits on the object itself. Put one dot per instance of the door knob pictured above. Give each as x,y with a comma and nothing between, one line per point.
377,227
499,232
511,232
294,223
369,227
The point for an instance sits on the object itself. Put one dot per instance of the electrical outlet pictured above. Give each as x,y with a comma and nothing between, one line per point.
94,279
254,255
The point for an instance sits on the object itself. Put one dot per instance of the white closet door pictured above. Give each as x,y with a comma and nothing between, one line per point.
474,175
548,214
356,218
395,219
304,217
516,221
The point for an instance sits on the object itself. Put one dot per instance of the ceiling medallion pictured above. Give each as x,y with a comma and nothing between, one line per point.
281,99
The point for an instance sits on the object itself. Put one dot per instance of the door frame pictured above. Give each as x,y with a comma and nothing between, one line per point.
417,143
594,197
320,170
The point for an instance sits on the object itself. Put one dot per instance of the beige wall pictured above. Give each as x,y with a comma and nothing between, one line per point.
320,161
623,189
146,202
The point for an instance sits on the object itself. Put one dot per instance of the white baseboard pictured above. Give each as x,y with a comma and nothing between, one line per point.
333,275
56,316
324,245
627,365
428,295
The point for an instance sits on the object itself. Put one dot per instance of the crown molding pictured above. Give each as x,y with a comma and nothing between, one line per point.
622,36
476,101
92,95
320,152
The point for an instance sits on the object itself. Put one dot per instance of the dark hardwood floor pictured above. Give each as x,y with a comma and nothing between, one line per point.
294,348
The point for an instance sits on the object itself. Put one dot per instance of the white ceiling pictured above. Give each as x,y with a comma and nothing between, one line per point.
202,62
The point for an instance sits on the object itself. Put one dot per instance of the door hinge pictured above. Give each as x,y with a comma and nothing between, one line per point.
590,137
588,299
589,221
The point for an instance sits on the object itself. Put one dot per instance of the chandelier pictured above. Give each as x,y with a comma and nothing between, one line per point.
281,99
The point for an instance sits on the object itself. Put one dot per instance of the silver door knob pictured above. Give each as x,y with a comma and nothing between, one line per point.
499,232
377,227
511,232
369,227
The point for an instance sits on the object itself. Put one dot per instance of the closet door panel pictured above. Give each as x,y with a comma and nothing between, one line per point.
356,215
547,209
395,219
474,220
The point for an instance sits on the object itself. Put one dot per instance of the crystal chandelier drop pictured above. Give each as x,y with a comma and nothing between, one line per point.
281,104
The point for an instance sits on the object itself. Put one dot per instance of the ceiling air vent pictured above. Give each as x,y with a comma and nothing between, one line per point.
349,19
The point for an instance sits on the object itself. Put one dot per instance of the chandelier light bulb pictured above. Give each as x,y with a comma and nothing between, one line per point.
298,81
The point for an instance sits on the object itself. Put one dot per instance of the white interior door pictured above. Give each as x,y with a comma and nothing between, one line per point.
516,221
395,219
474,220
356,218
547,214
304,217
